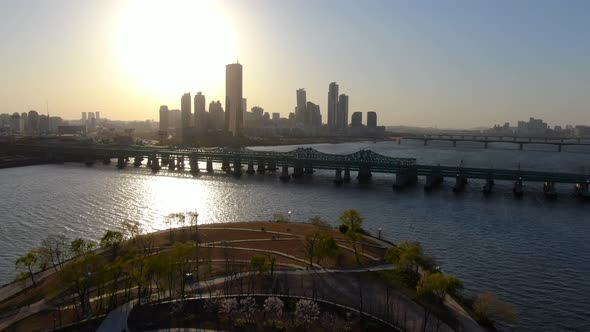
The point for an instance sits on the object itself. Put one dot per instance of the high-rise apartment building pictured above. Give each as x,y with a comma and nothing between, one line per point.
371,120
200,112
164,118
185,110
84,118
97,114
332,105
233,99
356,120
301,109
33,122
342,113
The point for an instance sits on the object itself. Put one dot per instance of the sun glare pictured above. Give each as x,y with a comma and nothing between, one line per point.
175,46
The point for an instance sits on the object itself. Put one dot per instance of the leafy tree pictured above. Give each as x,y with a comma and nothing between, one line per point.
306,312
273,307
80,246
343,228
327,247
488,308
173,219
260,263
182,253
111,240
319,222
28,261
132,228
352,218
53,250
354,237
279,217
310,247
438,284
405,255
193,219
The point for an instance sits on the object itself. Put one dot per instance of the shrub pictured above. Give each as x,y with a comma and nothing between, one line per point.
229,307
306,311
273,307
343,228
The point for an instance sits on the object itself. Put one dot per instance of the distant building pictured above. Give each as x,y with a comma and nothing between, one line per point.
97,116
185,110
533,127
371,120
15,123
164,120
582,131
332,105
216,116
84,117
33,122
244,108
356,120
315,116
301,109
24,122
233,98
342,113
276,117
43,124
200,112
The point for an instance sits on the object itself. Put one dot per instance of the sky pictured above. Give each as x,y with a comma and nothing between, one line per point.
444,63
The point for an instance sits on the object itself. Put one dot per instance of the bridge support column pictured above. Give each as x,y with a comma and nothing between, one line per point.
559,147
487,188
149,162
272,166
155,164
460,183
137,161
250,168
308,169
399,140
520,146
237,167
121,162
346,174
298,170
338,178
364,173
106,161
171,163
209,166
180,162
225,166
193,163
518,190
425,142
485,146
285,174
261,167
454,144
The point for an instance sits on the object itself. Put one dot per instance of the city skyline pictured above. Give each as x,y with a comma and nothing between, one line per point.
450,65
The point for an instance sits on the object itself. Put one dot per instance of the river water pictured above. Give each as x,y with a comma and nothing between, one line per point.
534,253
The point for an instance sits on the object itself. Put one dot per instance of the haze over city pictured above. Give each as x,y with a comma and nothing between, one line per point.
448,64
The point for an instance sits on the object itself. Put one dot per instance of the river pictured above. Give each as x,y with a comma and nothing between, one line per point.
534,253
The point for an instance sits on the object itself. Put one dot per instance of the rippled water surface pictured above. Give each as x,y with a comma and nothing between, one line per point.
534,253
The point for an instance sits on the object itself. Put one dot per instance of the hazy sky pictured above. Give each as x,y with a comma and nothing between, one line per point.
425,63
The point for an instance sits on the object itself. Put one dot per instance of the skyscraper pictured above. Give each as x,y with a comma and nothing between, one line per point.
164,119
233,98
33,122
200,112
342,113
356,120
332,105
185,109
84,117
97,116
301,110
371,120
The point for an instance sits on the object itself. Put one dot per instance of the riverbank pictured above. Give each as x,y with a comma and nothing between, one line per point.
240,256
7,161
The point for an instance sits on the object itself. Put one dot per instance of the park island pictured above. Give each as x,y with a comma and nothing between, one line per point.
272,275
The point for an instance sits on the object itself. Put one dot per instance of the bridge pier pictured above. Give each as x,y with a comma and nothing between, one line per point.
487,188
237,167
298,170
346,174
137,161
518,190
250,169
155,164
425,142
485,146
364,173
399,141
520,146
405,179
308,169
549,189
285,174
180,162
193,163
209,166
261,167
171,163
225,166
338,179
121,162
106,161
454,144
272,166
559,147
460,183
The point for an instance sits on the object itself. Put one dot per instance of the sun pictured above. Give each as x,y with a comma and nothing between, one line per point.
174,46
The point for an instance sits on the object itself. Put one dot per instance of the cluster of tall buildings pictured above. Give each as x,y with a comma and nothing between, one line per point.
90,120
235,120
30,123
